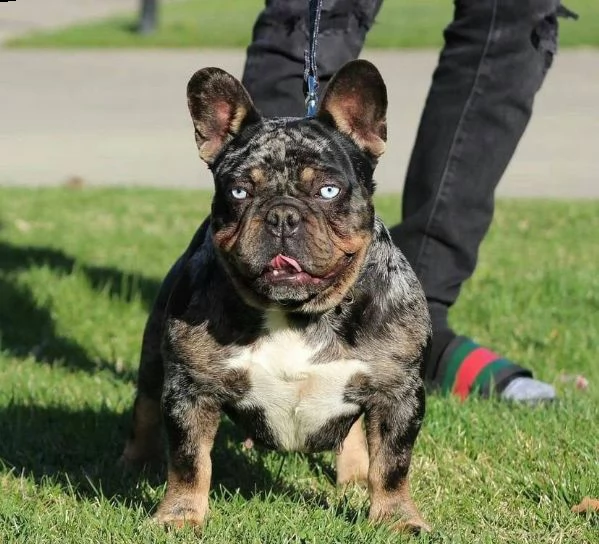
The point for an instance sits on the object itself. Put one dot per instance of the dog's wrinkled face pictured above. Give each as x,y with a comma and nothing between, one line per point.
292,213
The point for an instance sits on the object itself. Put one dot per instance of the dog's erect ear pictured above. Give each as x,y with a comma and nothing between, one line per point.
220,107
355,102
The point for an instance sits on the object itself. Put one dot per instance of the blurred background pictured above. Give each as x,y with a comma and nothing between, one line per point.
94,92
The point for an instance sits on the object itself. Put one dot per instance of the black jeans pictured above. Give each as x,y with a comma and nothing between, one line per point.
494,60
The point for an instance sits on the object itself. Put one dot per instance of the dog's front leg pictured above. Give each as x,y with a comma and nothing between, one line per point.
191,425
392,426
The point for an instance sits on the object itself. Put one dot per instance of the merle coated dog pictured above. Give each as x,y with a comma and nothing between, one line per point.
291,311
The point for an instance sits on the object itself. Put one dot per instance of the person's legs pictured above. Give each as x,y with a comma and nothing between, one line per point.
495,58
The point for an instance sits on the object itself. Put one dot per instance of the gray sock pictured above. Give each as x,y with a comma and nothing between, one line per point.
528,390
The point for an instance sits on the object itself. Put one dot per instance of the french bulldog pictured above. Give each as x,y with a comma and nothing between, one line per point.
291,311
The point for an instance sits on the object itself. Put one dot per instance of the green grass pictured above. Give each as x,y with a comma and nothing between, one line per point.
228,23
78,270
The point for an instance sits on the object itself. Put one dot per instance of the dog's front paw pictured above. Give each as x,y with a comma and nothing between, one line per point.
414,526
399,512
182,511
179,518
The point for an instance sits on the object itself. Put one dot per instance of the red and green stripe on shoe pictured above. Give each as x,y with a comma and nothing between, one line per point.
467,368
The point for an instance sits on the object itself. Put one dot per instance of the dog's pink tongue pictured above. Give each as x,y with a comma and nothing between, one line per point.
281,260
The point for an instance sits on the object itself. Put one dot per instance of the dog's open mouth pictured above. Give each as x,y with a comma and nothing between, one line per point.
286,269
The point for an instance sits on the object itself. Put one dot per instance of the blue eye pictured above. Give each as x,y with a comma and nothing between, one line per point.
239,193
329,191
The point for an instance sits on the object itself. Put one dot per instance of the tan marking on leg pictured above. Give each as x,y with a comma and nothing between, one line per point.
145,443
352,460
389,505
386,506
185,503
186,499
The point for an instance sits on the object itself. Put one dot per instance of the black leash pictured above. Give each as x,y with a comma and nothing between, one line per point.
310,69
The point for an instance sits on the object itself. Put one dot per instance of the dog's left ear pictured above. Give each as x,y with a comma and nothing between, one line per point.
220,107
355,102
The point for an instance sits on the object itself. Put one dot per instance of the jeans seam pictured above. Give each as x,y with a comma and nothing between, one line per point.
426,240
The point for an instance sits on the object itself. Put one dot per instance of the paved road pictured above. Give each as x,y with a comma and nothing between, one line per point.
120,117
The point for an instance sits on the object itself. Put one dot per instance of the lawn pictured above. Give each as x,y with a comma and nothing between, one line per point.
78,271
228,23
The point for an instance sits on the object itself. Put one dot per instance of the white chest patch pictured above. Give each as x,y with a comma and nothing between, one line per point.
297,396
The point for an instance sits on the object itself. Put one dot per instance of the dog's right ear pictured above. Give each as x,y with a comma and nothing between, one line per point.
220,107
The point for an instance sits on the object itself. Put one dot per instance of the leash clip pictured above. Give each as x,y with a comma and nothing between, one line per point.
311,96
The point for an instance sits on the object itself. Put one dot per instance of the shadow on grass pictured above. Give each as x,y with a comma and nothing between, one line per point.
27,327
78,450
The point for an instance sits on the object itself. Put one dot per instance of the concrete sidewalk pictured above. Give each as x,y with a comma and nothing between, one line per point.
120,117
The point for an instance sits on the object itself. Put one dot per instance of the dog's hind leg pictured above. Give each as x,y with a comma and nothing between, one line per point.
352,459
144,444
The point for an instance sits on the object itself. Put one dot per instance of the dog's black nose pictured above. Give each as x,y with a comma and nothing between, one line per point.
283,220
